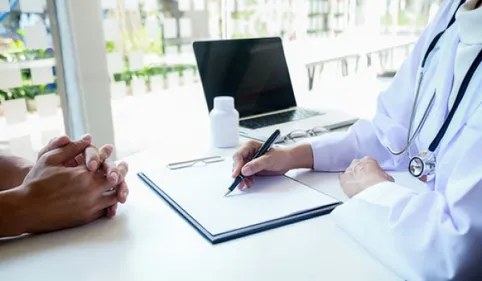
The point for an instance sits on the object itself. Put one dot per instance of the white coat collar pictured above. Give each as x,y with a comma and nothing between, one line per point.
469,23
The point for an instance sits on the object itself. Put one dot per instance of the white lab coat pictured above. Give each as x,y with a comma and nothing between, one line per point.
435,234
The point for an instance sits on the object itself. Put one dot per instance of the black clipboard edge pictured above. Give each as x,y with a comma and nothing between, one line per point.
272,224
241,232
177,208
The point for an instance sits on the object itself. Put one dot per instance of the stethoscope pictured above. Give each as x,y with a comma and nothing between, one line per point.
423,165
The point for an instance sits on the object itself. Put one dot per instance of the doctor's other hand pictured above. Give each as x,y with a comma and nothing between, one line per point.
277,161
362,174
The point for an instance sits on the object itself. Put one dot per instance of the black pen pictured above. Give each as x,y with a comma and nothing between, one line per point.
264,148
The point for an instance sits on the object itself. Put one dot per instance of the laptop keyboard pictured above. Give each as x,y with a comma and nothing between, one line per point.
278,118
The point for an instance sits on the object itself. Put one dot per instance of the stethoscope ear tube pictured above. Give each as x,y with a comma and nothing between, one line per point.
411,138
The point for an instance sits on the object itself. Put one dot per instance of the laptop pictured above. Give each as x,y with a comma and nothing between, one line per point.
254,71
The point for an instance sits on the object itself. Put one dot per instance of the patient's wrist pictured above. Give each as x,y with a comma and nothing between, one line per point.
13,171
12,203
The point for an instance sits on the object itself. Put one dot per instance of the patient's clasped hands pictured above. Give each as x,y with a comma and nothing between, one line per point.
72,183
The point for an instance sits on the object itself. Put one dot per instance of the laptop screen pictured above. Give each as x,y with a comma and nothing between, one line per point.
253,71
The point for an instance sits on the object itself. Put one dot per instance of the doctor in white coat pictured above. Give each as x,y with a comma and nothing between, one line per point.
428,122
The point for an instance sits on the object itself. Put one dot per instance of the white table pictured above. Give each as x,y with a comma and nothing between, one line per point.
147,240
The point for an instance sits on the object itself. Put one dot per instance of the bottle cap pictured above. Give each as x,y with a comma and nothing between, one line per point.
224,103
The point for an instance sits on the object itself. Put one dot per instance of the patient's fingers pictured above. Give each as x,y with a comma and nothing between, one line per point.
111,171
92,159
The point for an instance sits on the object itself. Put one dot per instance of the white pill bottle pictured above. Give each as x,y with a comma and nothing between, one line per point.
224,122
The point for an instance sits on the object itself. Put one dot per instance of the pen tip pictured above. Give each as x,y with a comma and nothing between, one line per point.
227,193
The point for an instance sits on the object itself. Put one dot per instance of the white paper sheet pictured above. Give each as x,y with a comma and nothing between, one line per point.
4,6
200,190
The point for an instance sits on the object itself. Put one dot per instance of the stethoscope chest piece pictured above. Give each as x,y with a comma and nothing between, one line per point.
422,165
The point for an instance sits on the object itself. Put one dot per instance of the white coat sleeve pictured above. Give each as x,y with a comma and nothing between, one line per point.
335,151
432,235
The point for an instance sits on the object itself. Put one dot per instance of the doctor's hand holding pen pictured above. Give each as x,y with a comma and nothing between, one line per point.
277,161
361,173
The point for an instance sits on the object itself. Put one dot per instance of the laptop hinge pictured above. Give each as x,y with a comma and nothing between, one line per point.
269,113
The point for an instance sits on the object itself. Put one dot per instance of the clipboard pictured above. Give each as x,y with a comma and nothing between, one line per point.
237,233
220,235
